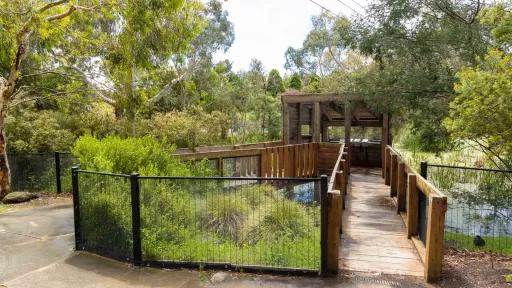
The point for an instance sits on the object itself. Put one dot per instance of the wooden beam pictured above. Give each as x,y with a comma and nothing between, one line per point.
311,98
434,243
387,166
286,124
412,206
325,132
362,123
316,122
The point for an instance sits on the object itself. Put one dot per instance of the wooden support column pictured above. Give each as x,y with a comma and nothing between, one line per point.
299,123
316,122
286,123
325,132
394,175
384,139
387,166
348,124
435,238
401,197
333,228
412,206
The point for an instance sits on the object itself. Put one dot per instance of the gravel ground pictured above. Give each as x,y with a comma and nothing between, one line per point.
475,269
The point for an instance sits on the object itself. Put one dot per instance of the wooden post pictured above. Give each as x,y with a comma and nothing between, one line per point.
341,185
394,175
402,188
347,121
387,166
435,238
316,122
384,140
299,124
286,124
412,207
323,225
325,132
333,228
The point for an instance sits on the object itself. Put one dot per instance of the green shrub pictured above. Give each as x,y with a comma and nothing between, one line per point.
145,155
225,215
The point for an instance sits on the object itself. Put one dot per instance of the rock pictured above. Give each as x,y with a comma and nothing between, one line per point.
219,277
18,197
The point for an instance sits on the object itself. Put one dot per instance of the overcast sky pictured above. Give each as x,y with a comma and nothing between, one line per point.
264,29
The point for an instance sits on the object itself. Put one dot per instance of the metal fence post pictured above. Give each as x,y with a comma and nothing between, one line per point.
136,246
76,206
323,224
423,169
57,172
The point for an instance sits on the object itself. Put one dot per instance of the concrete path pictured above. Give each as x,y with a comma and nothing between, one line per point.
36,250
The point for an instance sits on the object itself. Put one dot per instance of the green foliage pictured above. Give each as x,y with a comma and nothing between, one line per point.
145,155
274,83
32,131
191,128
482,112
295,82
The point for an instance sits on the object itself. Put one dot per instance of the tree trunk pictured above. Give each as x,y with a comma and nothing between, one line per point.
5,173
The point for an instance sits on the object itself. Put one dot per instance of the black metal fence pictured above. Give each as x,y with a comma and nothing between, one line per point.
41,172
251,223
479,204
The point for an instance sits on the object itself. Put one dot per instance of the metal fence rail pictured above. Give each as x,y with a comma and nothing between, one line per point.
250,223
480,204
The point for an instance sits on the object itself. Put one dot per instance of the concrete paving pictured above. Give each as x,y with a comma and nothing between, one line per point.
36,250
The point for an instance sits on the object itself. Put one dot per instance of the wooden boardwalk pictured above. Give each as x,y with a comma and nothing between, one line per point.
374,236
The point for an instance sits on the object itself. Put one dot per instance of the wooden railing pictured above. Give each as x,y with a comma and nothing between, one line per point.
406,185
300,160
336,193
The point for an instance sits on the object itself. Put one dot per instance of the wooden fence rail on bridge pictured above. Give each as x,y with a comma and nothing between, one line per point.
407,186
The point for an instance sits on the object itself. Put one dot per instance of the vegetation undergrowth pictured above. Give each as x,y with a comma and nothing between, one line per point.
200,220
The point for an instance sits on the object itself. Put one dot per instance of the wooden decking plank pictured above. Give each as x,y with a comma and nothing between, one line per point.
374,237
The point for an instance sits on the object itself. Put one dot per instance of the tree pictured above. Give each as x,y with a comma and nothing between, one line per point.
274,83
27,29
295,82
482,111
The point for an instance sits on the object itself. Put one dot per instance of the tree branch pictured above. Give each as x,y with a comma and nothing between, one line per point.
52,4
70,11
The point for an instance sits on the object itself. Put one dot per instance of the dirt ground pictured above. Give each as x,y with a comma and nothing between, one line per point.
475,269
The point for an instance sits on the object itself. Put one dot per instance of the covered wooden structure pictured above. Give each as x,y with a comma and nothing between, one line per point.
307,117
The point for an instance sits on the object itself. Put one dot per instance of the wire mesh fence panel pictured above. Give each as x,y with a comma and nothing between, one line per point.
67,160
32,172
37,172
479,204
232,221
105,215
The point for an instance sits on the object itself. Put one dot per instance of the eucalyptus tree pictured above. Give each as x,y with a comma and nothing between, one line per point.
29,33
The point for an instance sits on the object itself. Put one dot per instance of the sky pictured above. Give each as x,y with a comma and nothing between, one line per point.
264,29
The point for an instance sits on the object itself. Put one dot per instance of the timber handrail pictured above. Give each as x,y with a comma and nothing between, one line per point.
406,184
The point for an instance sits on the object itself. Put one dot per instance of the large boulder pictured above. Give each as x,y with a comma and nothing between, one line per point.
18,197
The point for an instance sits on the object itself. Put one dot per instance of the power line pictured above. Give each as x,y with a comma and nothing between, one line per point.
358,4
324,8
349,7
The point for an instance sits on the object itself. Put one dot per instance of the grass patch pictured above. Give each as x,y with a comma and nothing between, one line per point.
497,244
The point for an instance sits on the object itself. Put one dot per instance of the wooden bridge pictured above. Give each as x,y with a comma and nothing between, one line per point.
380,214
